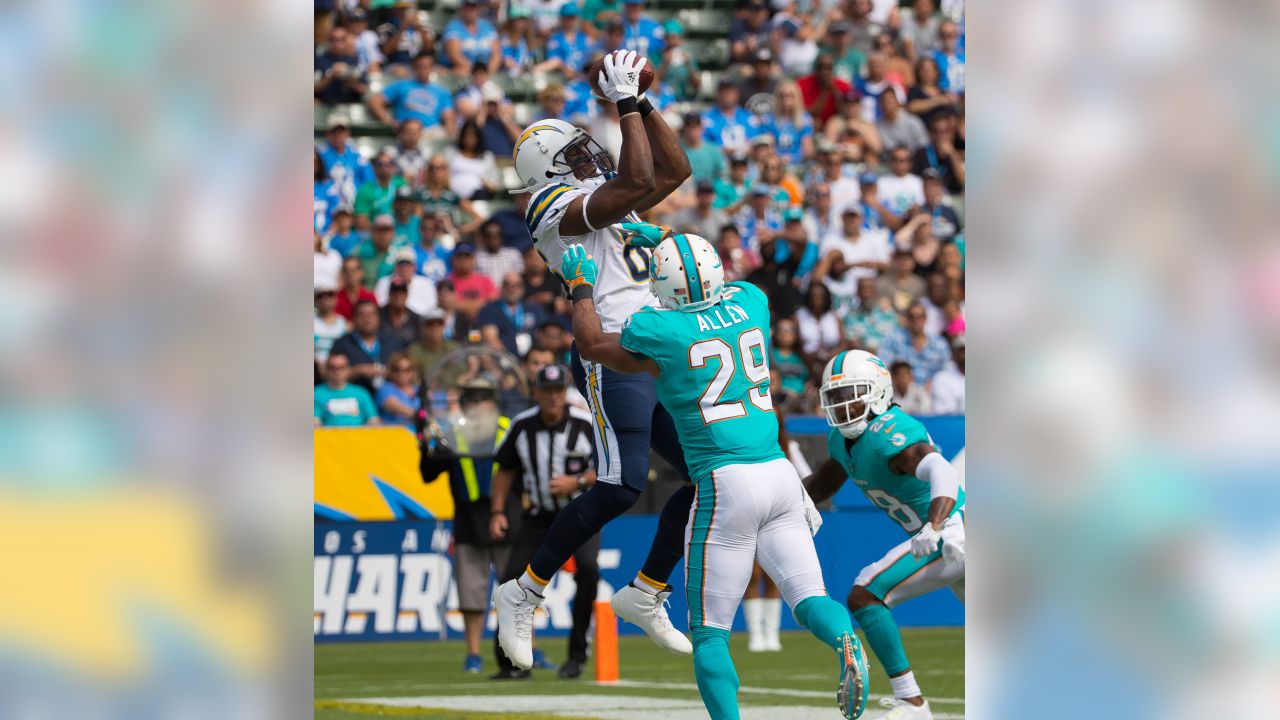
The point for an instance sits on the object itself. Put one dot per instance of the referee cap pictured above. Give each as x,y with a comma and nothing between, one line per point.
551,376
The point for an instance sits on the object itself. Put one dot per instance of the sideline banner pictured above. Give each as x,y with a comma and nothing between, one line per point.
372,474
394,580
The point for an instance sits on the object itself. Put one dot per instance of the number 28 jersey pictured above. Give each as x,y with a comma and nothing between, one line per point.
622,282
904,498
715,377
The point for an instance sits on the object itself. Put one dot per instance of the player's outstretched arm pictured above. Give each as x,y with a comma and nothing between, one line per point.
623,193
925,462
670,163
825,481
593,342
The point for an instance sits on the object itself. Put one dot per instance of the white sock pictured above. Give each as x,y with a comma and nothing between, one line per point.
772,618
904,686
753,611
647,584
531,583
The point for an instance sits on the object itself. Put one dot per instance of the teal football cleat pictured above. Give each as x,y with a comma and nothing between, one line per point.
851,693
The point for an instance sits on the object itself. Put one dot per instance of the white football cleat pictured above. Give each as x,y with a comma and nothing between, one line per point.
755,643
647,611
515,606
901,710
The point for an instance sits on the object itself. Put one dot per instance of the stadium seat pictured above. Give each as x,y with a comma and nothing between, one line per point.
368,145
703,23
523,113
707,92
714,55
510,180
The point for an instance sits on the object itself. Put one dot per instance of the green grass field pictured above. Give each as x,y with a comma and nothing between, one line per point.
425,680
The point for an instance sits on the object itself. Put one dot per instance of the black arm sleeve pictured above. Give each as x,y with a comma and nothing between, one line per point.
432,465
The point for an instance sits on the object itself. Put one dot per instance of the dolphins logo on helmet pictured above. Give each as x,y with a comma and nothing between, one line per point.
855,385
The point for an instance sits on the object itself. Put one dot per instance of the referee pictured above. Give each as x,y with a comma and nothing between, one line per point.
548,449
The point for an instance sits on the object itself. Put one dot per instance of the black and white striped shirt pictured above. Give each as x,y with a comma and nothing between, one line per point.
538,453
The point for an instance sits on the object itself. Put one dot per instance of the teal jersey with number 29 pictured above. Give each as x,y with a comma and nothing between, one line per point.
715,377
905,498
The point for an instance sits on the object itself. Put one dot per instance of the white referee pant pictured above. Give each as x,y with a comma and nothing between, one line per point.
743,513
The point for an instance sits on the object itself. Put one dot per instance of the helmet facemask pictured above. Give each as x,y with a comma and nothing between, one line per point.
847,406
584,154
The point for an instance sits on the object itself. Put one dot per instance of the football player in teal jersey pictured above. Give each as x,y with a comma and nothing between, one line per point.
895,464
707,348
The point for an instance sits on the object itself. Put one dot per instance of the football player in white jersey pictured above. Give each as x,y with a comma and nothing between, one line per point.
579,197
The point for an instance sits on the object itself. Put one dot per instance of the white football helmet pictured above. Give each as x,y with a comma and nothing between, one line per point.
855,385
551,150
685,273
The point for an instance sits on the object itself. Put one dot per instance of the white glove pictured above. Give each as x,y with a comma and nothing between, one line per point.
621,75
953,541
811,514
925,541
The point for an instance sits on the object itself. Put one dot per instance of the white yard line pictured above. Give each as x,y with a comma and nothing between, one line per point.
613,707
785,692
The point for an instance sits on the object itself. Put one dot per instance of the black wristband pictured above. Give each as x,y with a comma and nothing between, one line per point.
626,106
582,291
646,108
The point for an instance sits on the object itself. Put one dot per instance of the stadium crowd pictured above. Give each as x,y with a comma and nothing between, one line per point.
826,139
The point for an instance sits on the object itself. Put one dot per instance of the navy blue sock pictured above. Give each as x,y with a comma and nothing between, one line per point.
668,543
577,522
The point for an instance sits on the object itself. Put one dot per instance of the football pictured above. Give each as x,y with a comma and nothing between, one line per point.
593,75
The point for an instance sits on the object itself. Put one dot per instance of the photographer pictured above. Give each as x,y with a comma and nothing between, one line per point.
462,448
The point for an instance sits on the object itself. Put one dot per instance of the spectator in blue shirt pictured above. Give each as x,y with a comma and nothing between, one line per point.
343,236
327,196
642,34
402,38
569,49
416,98
727,125
875,214
503,321
517,55
368,47
580,103
399,398
950,58
338,76
758,221
433,257
470,39
347,167
790,126
927,354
